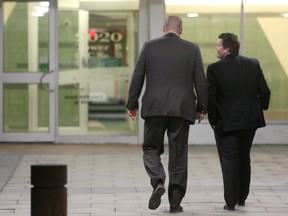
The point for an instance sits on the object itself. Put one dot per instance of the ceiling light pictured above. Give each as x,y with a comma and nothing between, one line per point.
285,15
226,2
192,15
41,9
44,4
37,14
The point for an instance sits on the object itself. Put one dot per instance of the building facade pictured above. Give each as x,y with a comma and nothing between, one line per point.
66,65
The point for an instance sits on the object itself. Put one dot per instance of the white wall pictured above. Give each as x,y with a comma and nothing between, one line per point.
202,134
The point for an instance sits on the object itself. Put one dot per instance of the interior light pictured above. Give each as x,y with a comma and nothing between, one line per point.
196,2
225,2
192,15
37,14
44,4
41,9
285,15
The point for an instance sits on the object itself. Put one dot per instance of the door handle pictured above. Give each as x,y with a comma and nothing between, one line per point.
42,83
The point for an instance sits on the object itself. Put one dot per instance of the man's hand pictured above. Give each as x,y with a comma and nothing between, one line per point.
133,113
200,116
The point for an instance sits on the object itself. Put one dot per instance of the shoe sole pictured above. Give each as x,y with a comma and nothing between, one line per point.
228,209
176,211
155,199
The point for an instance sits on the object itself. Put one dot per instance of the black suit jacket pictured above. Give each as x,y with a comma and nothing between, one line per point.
238,93
175,79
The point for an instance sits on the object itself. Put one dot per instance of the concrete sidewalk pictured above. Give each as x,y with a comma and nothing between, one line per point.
110,180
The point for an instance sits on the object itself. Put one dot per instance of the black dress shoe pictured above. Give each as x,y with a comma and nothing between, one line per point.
229,207
241,203
174,208
155,199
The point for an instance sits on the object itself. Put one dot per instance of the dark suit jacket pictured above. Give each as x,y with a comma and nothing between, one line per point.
238,93
174,76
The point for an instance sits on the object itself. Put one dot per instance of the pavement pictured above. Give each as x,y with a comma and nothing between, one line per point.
110,180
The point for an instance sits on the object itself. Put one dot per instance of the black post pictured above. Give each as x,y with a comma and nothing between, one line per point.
49,194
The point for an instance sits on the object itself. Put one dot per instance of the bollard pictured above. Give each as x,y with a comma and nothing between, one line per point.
49,194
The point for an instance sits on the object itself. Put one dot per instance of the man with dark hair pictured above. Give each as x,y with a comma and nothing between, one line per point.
229,40
173,69
238,94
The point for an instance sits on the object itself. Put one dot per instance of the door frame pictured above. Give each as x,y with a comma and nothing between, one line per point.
41,78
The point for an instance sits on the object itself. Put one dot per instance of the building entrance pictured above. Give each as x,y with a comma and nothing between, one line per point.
65,68
28,65
97,52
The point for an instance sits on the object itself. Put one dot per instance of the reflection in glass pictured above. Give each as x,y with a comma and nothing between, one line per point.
25,37
96,55
68,106
264,37
26,108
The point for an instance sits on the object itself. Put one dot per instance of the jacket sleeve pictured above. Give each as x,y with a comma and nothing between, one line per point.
213,113
263,89
137,81
201,86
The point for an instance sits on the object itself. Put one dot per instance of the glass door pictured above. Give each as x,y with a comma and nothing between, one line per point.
94,68
97,53
28,64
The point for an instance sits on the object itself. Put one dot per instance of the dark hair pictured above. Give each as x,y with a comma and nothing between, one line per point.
230,40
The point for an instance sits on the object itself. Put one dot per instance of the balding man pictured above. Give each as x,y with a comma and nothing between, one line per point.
176,94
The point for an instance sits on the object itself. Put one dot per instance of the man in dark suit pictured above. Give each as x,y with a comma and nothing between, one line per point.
238,94
176,94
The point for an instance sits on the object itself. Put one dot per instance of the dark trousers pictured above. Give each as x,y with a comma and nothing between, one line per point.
234,153
153,147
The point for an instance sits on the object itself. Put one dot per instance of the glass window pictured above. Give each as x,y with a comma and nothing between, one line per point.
21,54
97,52
26,108
265,38
204,31
265,33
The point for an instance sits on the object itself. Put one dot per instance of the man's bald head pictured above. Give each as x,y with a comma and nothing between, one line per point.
173,24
